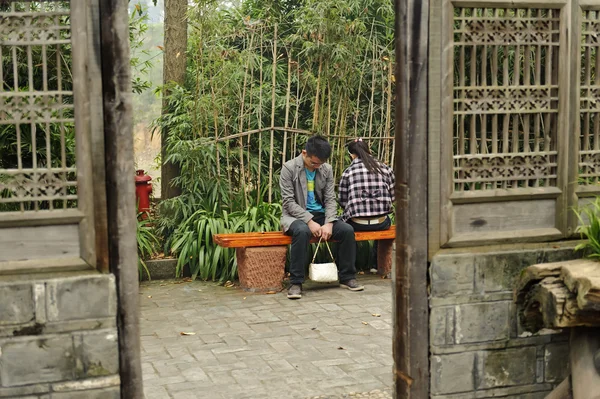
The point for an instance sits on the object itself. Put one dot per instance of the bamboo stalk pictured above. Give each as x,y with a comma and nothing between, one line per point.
515,126
322,108
472,82
196,127
538,82
295,131
388,111
228,155
343,129
249,112
526,82
337,119
317,92
382,116
274,82
484,140
287,107
328,108
506,118
241,124
495,83
298,101
362,70
461,82
371,102
216,124
259,116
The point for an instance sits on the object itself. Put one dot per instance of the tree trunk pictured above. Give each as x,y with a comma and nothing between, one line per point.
173,71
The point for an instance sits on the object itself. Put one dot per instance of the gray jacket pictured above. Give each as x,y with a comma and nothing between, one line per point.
294,192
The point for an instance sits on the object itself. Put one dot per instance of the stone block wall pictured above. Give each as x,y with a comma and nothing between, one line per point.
478,349
58,338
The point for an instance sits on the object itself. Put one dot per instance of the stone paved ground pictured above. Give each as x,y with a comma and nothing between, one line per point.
332,343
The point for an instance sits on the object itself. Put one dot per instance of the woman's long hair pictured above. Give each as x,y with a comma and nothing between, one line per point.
360,148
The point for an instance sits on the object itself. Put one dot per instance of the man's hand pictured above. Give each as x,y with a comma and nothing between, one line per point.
326,231
315,228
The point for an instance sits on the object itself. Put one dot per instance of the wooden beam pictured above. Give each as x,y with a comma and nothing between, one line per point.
585,380
411,322
120,188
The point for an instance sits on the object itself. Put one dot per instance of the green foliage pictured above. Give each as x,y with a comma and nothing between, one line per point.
589,228
141,59
147,243
193,244
336,58
206,206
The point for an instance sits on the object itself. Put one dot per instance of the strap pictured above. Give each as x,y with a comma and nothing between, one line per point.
317,250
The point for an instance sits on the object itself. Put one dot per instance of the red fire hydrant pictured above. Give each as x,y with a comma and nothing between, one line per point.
143,188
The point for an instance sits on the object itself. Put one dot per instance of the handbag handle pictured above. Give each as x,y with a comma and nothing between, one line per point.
317,250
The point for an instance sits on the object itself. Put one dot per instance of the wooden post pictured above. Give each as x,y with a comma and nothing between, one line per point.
562,391
585,379
120,194
411,323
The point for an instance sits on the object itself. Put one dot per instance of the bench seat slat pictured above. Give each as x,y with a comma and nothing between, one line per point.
276,238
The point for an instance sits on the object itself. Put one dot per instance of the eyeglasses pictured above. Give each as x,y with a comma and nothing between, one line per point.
315,164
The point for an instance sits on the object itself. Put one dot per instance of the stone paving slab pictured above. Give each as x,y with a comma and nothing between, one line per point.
332,343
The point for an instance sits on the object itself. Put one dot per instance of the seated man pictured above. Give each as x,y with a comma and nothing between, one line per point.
309,209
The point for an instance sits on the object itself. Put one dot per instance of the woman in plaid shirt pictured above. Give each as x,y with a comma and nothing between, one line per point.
366,192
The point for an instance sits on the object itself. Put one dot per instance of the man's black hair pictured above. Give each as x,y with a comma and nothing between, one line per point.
319,147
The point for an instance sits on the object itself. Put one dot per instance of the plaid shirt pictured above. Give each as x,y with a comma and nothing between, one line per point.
364,194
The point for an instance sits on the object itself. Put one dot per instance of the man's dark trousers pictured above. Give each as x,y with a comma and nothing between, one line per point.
343,233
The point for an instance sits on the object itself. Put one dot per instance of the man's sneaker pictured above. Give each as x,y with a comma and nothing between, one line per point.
373,271
352,285
295,291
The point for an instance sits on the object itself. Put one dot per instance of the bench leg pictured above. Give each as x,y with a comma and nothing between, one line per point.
385,251
261,268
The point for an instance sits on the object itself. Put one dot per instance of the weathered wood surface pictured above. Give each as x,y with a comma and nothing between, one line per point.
120,188
410,287
41,242
276,238
559,295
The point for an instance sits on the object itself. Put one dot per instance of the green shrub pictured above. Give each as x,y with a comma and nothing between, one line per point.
589,228
147,242
192,240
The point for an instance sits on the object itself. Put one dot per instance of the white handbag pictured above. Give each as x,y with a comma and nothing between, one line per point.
323,272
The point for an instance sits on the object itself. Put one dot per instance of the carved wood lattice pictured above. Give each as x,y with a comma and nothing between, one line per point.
36,107
505,98
589,139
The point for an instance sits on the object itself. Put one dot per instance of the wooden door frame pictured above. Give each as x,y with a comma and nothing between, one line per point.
120,188
410,293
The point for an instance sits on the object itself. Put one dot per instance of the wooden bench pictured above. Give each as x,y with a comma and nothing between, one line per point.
261,256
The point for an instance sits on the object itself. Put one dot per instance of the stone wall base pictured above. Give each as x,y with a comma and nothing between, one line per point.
478,348
58,338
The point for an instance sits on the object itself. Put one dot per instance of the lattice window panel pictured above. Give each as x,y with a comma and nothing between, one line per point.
589,139
36,107
505,98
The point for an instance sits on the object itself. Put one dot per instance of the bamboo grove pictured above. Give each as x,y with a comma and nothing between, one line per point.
263,76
